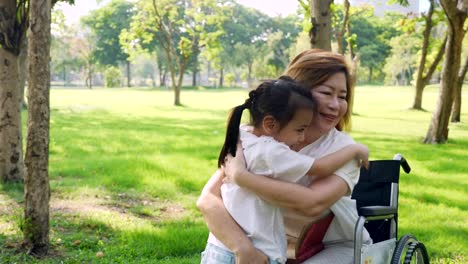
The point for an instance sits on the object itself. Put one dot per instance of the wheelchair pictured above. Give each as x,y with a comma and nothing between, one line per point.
376,196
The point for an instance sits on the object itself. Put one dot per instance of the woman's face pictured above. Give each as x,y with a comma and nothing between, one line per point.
331,103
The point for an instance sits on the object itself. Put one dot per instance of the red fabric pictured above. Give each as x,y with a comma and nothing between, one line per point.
311,243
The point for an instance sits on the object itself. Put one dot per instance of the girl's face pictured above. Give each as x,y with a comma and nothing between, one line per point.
330,98
294,132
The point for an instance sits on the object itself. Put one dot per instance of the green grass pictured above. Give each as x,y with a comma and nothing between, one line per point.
126,167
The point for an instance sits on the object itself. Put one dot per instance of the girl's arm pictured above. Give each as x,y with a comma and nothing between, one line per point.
330,163
223,226
309,201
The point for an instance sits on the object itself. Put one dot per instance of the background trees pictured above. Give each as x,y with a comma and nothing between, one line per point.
181,29
243,45
212,39
106,25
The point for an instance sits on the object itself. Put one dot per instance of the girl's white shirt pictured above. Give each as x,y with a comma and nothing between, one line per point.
261,221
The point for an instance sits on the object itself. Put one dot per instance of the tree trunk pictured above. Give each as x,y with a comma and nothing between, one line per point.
162,78
194,78
177,96
320,33
221,77
249,75
129,74
457,101
89,77
11,143
195,60
153,81
23,69
438,129
11,150
339,34
36,187
422,81
64,73
369,78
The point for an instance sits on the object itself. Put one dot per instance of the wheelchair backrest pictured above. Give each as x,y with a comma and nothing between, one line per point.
378,185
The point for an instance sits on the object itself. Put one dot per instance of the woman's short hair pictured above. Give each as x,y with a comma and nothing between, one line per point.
314,67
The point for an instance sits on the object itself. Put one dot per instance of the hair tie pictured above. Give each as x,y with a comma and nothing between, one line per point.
248,103
251,100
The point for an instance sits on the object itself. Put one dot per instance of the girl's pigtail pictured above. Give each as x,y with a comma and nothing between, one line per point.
232,132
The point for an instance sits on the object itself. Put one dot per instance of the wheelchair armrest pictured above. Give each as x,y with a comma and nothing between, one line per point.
377,210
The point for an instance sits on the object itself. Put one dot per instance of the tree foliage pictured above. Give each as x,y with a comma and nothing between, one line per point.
181,28
106,23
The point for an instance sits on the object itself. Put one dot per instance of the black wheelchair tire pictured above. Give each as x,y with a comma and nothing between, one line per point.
405,251
416,251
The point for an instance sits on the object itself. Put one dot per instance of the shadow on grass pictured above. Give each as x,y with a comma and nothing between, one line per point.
87,240
448,238
122,151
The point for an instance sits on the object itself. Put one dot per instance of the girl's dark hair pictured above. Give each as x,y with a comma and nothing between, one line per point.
278,98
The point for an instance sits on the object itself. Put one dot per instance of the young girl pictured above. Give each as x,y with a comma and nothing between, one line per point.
280,111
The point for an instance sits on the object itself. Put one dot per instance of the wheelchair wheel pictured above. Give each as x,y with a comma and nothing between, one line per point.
410,251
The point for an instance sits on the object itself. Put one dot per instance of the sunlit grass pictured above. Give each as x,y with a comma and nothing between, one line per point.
126,167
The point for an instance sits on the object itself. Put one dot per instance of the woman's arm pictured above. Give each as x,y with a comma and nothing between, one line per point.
311,201
223,226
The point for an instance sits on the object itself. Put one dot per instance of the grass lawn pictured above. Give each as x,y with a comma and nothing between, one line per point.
126,167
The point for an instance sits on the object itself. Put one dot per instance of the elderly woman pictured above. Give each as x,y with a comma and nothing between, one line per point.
327,76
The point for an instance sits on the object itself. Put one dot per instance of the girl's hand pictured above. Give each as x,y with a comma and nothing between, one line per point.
235,167
362,153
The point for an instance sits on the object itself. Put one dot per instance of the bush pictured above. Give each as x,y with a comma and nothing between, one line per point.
112,76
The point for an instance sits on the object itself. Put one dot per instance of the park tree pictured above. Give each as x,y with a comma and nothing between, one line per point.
424,72
341,26
401,63
425,69
457,100
63,60
137,42
248,27
246,56
106,24
320,18
346,40
13,25
455,12
14,19
82,52
281,39
285,31
180,27
372,40
36,187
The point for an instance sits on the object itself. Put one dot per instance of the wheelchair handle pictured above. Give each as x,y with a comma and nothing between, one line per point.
403,163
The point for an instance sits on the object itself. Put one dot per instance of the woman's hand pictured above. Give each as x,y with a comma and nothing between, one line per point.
250,255
235,167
